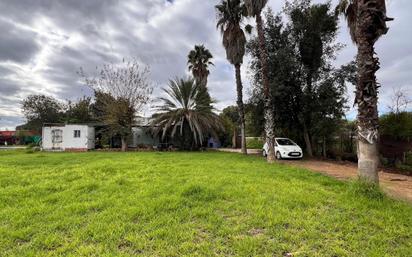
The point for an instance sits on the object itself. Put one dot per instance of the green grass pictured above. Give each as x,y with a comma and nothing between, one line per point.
188,204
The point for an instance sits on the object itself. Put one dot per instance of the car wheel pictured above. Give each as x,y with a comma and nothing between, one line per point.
264,153
278,156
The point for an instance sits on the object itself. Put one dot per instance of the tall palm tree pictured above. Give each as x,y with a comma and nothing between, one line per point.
367,23
199,60
230,14
254,9
184,112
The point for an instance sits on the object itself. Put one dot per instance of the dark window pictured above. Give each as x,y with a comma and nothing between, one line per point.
77,133
285,142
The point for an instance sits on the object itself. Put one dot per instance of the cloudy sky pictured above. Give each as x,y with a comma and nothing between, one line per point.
44,43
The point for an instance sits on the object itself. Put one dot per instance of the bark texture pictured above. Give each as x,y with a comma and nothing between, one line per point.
124,144
268,112
241,108
370,25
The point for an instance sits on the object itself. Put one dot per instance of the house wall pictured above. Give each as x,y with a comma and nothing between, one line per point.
70,143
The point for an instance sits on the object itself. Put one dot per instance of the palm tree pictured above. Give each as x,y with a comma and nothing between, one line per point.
185,111
230,14
367,23
254,9
199,60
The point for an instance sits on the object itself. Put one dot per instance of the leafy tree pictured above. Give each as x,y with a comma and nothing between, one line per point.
40,109
397,125
80,111
287,79
314,28
183,113
366,20
230,14
123,91
230,119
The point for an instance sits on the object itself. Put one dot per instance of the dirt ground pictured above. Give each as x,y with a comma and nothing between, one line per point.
397,186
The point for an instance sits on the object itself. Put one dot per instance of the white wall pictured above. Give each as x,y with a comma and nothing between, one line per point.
85,141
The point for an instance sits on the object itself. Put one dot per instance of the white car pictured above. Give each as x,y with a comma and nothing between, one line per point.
285,149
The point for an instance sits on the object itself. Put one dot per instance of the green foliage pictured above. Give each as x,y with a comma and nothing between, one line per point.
188,204
254,142
80,111
199,60
307,91
397,125
186,112
40,109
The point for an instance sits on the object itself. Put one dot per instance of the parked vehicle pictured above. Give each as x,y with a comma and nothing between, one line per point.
284,149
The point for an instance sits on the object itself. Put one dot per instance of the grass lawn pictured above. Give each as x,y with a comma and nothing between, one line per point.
188,204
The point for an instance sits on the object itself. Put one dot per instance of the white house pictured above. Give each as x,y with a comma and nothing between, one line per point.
68,137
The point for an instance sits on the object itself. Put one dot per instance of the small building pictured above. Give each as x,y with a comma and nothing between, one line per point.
142,134
65,137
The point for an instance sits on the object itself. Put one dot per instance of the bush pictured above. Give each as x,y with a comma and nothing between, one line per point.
254,143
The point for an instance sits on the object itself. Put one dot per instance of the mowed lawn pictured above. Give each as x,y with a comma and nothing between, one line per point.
188,204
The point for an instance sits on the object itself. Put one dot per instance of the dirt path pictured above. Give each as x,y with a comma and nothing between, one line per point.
398,186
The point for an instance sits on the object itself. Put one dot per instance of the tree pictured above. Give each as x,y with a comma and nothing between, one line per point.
254,9
40,109
183,113
199,60
230,14
287,80
314,28
366,20
80,111
124,89
400,101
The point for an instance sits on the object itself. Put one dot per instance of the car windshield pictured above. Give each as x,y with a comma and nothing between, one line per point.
284,142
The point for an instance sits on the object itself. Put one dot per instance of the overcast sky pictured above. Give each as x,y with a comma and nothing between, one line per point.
44,43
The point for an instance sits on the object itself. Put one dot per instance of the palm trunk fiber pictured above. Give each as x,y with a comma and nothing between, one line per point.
367,101
241,108
268,111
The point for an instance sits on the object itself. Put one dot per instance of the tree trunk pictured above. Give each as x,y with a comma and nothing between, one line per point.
307,140
268,111
234,138
324,147
367,32
368,161
241,108
124,144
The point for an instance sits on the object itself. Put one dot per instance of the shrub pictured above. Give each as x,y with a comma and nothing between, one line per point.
254,142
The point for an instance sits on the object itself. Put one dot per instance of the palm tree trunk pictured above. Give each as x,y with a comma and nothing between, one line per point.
268,111
241,108
368,119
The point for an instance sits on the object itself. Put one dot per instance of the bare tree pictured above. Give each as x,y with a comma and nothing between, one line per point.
400,101
125,90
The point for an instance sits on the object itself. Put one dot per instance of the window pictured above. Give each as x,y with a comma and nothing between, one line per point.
285,141
77,133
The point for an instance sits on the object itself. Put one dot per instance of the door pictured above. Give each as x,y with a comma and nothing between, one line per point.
57,138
